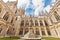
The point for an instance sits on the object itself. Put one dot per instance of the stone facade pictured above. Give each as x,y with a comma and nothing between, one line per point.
13,21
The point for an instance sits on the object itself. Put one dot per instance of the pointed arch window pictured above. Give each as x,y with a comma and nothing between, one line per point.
41,24
0,28
37,31
21,31
46,24
15,11
0,10
16,18
6,16
31,23
27,23
36,23
26,30
48,31
43,31
12,20
22,23
56,16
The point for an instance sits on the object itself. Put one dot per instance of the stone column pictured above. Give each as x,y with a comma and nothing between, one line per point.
38,23
9,18
29,23
24,23
59,29
53,33
43,22
58,12
45,31
34,31
14,19
58,32
17,29
3,32
17,26
45,28
34,22
53,18
40,32
2,13
6,30
49,22
23,32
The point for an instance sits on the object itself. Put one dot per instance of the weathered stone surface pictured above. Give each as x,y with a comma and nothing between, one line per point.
14,22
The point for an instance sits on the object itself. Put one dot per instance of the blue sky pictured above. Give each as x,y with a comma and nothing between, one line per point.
34,7
47,2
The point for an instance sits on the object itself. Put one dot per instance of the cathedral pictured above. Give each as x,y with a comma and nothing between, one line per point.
14,22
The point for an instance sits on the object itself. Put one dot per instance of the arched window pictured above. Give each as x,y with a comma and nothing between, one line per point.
15,11
21,31
31,23
16,18
43,31
37,31
41,24
0,10
22,23
12,20
56,32
0,28
27,23
26,30
36,23
46,24
56,16
6,16
9,32
48,31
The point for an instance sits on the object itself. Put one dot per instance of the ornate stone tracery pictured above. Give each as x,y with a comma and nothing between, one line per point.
15,22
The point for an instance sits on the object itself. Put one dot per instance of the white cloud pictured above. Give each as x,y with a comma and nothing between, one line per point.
22,3
38,10
47,9
8,0
38,5
5,0
49,6
12,0
38,2
53,0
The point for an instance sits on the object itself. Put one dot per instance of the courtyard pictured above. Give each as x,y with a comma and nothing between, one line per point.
18,38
